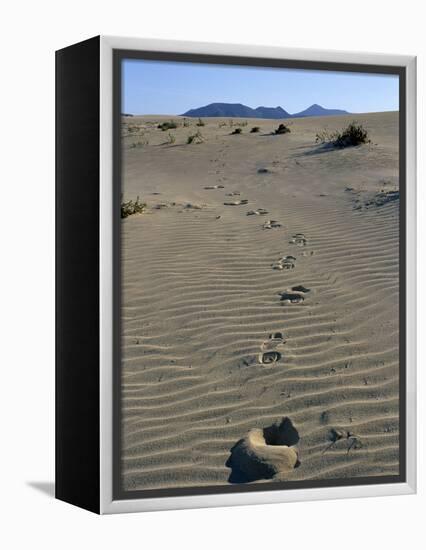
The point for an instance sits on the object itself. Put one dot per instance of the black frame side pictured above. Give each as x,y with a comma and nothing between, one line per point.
77,467
400,71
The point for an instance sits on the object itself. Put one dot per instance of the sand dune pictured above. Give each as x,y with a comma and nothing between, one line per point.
204,302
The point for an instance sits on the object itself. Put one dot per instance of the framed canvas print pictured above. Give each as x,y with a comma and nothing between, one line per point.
235,274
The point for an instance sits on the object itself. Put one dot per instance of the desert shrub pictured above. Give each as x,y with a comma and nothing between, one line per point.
222,124
167,126
243,123
185,123
200,122
236,131
171,138
325,136
255,129
133,131
139,144
195,138
131,207
282,129
353,134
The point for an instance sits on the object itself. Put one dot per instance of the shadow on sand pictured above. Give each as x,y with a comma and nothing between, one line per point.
318,150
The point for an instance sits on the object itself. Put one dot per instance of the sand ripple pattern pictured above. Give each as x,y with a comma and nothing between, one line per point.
220,336
195,317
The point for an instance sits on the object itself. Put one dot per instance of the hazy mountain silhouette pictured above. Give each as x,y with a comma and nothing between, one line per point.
317,110
238,110
271,112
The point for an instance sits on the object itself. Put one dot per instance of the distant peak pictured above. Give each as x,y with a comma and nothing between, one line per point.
239,110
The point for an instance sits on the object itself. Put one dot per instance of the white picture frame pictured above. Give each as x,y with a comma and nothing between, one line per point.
107,503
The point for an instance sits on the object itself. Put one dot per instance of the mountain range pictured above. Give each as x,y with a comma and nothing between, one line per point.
238,110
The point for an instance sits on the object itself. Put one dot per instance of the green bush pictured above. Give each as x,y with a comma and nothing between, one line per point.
282,129
131,207
254,130
236,131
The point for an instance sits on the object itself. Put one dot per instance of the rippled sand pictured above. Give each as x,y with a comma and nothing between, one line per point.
206,289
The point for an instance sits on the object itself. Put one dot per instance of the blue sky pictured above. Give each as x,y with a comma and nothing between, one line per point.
163,87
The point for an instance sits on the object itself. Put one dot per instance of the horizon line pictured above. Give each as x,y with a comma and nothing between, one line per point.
291,115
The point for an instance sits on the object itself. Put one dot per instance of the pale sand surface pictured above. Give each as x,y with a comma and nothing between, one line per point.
200,299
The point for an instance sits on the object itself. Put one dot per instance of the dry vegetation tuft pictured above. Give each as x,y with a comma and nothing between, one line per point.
354,134
131,207
282,129
195,138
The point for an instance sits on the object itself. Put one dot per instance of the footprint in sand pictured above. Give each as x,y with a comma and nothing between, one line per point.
268,357
270,348
265,453
291,298
190,206
236,203
275,340
233,194
214,187
258,212
286,262
295,296
299,239
270,351
271,224
300,288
